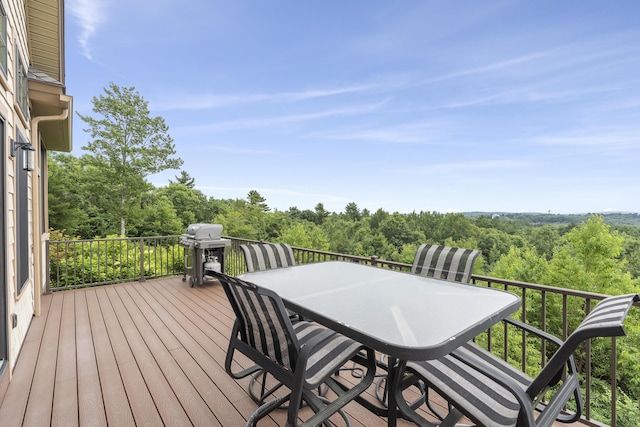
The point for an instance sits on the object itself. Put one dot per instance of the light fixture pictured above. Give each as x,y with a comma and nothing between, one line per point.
27,152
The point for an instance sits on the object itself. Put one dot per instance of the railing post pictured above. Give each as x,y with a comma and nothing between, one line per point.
48,266
141,259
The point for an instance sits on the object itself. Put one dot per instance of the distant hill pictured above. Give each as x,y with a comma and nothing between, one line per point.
613,218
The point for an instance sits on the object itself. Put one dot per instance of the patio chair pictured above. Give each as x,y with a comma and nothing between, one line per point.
491,392
444,262
301,356
440,262
265,256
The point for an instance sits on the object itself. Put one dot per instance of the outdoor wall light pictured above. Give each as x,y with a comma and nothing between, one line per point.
26,151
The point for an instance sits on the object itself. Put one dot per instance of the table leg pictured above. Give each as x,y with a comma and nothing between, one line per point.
393,381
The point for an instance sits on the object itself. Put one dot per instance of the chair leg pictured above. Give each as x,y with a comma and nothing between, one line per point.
452,419
433,410
264,393
265,409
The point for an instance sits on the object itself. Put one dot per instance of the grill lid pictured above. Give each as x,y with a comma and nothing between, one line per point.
204,232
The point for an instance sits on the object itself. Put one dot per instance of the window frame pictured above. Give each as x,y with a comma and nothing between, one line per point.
21,95
23,264
4,47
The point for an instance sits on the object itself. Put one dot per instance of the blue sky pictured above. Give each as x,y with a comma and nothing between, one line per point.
449,106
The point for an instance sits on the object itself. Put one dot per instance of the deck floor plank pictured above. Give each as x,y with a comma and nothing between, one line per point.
143,354
170,409
160,342
44,376
116,403
90,403
65,408
212,341
209,378
142,405
20,387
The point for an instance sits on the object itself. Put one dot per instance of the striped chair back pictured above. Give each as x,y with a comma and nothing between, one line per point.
605,320
443,262
263,320
265,256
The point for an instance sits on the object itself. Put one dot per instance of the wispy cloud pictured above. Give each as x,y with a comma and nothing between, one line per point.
532,94
208,101
232,150
412,133
284,120
90,14
495,66
465,168
611,141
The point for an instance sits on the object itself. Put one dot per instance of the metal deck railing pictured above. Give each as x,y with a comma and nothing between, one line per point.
84,263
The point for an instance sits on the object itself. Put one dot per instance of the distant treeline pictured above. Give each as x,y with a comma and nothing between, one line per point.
617,218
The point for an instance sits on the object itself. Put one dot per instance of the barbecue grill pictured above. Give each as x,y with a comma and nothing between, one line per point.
204,251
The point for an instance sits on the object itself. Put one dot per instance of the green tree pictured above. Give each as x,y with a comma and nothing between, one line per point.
305,235
128,145
352,212
255,199
521,264
185,179
158,217
191,205
544,239
397,232
321,213
67,209
588,259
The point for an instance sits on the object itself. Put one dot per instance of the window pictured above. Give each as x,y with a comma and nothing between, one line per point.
3,40
22,222
22,94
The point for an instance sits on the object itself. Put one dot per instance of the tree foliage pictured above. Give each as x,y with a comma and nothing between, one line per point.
128,145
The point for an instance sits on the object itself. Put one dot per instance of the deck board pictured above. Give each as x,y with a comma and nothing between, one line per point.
65,410
90,398
137,354
117,409
44,376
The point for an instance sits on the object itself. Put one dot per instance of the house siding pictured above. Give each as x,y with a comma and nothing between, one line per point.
19,303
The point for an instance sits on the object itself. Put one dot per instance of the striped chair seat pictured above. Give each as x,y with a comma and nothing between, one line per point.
265,256
492,393
325,360
444,262
467,387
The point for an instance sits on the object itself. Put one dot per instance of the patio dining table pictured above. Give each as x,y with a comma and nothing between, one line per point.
401,315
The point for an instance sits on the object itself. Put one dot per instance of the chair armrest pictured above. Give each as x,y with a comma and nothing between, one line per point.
536,387
532,329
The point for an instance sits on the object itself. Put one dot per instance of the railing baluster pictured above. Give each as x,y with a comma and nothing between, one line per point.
543,325
587,310
141,259
523,353
614,380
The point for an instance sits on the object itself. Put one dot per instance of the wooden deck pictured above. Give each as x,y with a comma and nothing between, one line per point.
135,354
